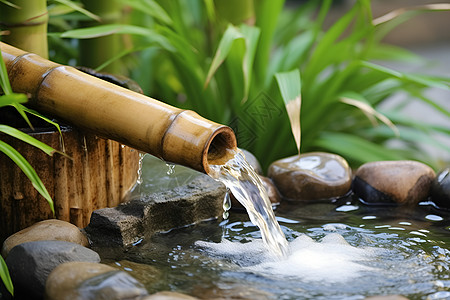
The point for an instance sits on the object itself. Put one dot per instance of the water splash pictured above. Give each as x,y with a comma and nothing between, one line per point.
246,186
139,172
171,168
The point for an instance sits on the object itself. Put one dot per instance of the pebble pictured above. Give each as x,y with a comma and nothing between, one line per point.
91,281
46,230
30,264
393,182
311,176
440,189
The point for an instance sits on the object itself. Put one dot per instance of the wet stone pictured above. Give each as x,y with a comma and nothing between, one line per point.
252,161
165,201
311,176
440,189
166,295
393,182
272,192
91,281
30,264
46,230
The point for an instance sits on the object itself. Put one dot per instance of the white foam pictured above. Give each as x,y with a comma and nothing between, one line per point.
331,260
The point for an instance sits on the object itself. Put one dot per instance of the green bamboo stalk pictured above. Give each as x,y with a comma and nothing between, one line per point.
96,51
26,25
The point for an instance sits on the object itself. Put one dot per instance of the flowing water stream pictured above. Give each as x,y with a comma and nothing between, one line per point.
243,182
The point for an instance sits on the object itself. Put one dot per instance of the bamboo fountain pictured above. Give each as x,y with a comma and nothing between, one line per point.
87,181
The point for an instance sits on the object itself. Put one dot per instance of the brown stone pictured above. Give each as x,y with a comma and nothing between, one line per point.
166,295
272,192
46,230
253,161
311,176
85,281
400,182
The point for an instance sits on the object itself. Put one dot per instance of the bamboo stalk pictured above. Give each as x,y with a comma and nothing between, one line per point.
95,51
175,135
26,25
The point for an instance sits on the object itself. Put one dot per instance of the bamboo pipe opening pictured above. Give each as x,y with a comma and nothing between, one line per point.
217,149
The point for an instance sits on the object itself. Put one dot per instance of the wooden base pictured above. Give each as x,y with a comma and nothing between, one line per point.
98,174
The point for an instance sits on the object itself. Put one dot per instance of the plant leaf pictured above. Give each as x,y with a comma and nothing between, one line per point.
78,8
358,101
23,164
27,139
228,38
151,8
12,99
290,88
10,4
104,30
4,274
358,148
4,79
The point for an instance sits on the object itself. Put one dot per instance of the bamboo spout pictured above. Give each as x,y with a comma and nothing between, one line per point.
175,135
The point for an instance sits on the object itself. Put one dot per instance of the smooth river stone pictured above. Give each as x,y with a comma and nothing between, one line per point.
440,189
44,231
311,176
91,281
253,161
272,192
393,182
30,264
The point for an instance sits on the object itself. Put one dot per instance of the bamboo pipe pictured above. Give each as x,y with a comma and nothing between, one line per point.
175,135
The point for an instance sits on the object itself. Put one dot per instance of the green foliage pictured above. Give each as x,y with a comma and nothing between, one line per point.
4,275
229,70
16,100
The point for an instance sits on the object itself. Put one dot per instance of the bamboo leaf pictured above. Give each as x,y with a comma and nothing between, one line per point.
358,101
358,148
4,79
422,80
151,8
251,36
104,30
12,99
290,87
231,34
10,4
27,139
22,163
401,11
21,110
4,274
78,8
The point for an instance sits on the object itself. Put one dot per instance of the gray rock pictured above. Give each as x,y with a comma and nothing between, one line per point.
30,263
440,189
199,199
91,281
311,176
393,182
46,230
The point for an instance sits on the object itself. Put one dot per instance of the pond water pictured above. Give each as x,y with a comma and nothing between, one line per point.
340,250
